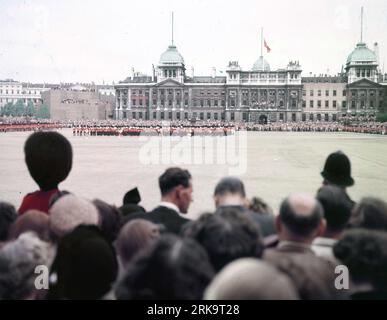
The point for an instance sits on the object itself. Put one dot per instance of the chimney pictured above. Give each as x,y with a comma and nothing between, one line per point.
192,72
213,72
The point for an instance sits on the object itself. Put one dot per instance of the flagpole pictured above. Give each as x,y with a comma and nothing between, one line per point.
261,41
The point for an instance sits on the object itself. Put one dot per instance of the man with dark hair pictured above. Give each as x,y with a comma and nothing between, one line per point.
49,157
337,172
370,213
7,217
337,211
176,196
227,235
230,193
300,220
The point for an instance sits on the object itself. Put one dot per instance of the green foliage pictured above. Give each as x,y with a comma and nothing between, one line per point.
43,112
381,117
19,108
30,109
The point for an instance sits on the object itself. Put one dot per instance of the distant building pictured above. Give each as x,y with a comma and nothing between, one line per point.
256,95
12,91
77,103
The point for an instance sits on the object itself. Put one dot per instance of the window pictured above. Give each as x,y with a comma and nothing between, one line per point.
140,102
303,103
303,117
216,116
326,116
186,102
215,103
154,102
326,103
368,73
327,93
209,103
319,93
201,103
334,117
208,115
133,115
334,104
344,104
311,116
311,93
318,103
223,103
134,102
232,116
334,93
304,93
294,103
311,103
353,105
344,93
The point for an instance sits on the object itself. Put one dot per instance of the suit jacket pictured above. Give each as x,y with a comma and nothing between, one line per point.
171,220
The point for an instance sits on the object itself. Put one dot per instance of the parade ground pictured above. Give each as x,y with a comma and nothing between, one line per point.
272,165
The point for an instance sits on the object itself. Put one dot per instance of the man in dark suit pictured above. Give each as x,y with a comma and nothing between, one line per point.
176,196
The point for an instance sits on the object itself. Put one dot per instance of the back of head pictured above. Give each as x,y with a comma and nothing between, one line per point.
32,220
227,235
172,268
172,178
134,237
370,213
69,212
48,156
337,207
301,215
7,217
337,170
85,265
18,260
250,279
364,252
230,185
110,219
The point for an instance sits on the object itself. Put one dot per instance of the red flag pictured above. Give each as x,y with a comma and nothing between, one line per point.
266,46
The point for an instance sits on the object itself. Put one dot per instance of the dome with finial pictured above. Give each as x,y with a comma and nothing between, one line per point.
261,65
171,56
361,54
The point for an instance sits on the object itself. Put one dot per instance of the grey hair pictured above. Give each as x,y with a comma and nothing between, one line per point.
18,260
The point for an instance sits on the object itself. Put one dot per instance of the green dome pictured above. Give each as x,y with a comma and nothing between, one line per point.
261,65
361,54
171,56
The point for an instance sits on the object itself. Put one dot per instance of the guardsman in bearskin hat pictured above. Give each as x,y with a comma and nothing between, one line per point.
49,158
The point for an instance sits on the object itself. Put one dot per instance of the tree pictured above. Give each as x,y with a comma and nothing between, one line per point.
381,117
43,112
19,108
7,110
30,109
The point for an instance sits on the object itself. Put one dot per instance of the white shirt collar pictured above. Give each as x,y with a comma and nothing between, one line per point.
170,205
324,242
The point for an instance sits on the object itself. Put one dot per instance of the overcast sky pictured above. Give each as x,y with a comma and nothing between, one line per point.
99,40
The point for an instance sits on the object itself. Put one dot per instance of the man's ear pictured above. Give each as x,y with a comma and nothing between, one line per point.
278,224
322,228
216,201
